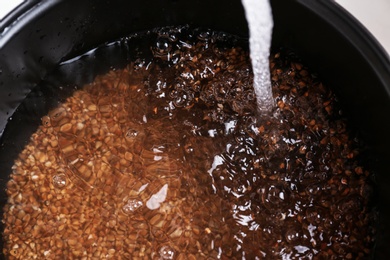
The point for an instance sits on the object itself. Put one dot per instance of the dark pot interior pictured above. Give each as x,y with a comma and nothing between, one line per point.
40,34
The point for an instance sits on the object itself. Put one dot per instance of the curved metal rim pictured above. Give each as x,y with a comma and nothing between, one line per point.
356,33
341,20
329,10
16,13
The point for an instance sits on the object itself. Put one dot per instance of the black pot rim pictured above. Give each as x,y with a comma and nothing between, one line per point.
335,14
331,12
357,34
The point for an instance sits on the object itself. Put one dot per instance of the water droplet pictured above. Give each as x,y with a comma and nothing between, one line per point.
59,180
166,252
131,206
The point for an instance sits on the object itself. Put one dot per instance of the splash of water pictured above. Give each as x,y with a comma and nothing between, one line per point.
259,17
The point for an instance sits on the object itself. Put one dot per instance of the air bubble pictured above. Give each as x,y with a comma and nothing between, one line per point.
131,133
46,121
59,180
204,36
162,47
166,252
292,235
180,101
188,149
131,206
162,44
172,37
169,33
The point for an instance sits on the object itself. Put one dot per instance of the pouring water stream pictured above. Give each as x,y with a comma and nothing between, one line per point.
259,17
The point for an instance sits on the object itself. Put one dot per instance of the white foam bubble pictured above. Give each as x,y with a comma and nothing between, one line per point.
259,17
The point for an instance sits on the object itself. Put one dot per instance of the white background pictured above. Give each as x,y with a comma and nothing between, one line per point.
374,14
7,5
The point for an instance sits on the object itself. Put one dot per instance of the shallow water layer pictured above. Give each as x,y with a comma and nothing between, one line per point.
166,158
